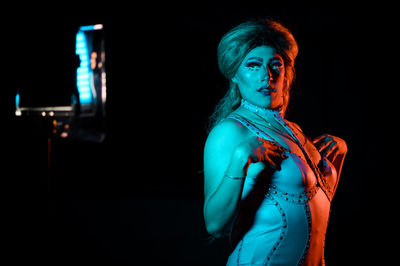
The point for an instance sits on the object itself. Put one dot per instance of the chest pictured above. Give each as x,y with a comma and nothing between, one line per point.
296,171
290,141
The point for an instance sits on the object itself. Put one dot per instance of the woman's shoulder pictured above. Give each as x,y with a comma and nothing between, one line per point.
229,127
228,130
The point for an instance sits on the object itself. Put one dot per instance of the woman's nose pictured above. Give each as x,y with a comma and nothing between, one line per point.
265,74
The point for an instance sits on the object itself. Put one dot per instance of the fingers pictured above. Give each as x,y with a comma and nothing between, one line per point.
330,149
319,138
325,146
263,153
277,155
276,152
274,162
334,154
270,145
273,147
278,161
323,142
270,152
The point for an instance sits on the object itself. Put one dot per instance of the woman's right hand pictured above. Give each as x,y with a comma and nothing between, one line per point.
255,149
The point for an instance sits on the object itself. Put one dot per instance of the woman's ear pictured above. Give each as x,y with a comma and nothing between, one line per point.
234,79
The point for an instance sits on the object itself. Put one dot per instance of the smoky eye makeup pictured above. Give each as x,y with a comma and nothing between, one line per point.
275,63
253,65
275,66
254,62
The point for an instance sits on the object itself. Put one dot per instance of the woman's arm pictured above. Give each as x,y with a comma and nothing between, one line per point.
229,152
222,194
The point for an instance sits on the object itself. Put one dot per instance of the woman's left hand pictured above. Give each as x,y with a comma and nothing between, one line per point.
330,146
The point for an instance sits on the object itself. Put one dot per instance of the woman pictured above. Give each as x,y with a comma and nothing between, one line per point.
267,186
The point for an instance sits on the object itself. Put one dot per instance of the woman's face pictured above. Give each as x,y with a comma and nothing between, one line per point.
261,78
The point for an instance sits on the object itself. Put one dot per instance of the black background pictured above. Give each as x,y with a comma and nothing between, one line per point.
136,198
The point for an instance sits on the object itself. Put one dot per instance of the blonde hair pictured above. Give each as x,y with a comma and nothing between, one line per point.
237,43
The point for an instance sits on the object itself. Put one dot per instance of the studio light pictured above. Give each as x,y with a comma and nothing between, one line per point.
88,94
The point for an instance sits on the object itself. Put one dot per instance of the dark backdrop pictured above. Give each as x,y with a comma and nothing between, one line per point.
136,198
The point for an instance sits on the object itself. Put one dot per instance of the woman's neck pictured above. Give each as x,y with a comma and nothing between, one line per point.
268,118
266,113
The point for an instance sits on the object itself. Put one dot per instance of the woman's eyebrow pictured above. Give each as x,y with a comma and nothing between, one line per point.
255,57
275,58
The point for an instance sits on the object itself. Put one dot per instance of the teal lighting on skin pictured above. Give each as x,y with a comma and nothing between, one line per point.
83,71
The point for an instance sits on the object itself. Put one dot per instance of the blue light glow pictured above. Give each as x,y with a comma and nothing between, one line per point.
86,28
83,71
17,99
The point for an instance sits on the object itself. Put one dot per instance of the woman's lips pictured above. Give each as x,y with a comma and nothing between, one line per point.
266,91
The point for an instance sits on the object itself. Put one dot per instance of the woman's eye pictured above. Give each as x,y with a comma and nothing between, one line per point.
276,67
253,65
